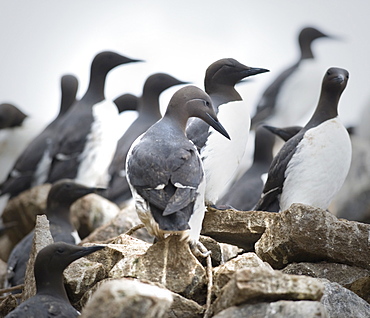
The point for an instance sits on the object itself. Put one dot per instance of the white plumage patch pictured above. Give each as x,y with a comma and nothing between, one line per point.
298,96
221,156
319,166
100,146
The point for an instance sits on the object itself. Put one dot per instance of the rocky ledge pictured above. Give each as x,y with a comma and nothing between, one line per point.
303,262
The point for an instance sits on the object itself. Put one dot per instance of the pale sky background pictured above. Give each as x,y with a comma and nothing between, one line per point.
41,40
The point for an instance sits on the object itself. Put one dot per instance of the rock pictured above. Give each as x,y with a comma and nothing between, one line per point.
91,212
340,302
23,210
278,309
223,273
127,298
3,273
124,221
353,278
259,284
7,305
80,276
41,238
170,263
86,272
240,228
229,251
184,308
307,234
181,307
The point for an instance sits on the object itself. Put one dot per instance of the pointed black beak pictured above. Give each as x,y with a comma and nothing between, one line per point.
254,71
84,251
284,133
217,126
99,191
136,60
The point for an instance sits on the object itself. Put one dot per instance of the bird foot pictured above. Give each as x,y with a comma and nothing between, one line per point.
198,249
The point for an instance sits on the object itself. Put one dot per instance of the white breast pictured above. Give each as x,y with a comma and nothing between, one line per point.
299,95
100,146
319,167
221,156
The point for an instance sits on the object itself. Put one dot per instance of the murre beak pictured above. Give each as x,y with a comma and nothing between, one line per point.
99,191
81,251
217,126
254,71
339,78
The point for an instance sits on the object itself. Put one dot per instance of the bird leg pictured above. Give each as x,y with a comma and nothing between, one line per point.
134,229
198,249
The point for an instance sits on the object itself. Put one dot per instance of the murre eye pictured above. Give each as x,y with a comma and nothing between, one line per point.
60,250
206,103
328,72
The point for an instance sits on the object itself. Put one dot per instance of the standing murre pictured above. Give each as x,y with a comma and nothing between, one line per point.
290,99
87,135
216,151
32,166
51,298
60,198
312,165
149,113
165,171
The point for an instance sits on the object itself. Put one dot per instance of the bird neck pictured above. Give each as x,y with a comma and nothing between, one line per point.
67,100
327,108
178,121
306,50
60,213
149,104
97,83
50,283
222,93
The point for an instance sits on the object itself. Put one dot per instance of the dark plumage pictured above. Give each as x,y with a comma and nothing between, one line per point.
85,126
11,116
284,133
126,102
311,166
32,165
51,299
60,198
149,113
164,169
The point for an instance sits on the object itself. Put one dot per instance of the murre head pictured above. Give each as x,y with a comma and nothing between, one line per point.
107,60
191,101
228,71
53,259
334,82
305,39
126,102
335,79
10,116
158,82
65,191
